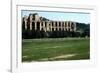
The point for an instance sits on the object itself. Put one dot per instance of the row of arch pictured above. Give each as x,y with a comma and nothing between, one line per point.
49,26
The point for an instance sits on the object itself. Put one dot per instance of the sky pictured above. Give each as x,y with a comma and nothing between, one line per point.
61,16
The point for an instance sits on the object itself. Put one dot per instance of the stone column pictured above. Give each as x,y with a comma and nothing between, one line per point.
25,24
44,26
48,29
74,26
67,25
58,26
30,17
70,26
51,26
30,25
61,25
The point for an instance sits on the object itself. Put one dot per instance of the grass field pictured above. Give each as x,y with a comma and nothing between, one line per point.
55,49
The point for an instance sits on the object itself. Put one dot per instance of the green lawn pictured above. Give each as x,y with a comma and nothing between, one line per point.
55,49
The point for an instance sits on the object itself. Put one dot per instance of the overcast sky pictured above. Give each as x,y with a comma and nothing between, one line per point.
62,16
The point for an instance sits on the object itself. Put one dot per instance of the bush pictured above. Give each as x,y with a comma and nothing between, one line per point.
29,34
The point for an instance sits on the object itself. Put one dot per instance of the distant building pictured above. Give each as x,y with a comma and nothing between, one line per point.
36,22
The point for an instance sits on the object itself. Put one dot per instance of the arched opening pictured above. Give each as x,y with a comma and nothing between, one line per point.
72,25
33,25
68,24
23,25
59,24
38,25
56,24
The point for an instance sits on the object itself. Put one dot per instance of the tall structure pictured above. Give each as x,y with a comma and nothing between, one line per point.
36,22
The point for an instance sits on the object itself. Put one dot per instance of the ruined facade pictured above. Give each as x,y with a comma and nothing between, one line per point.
36,22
